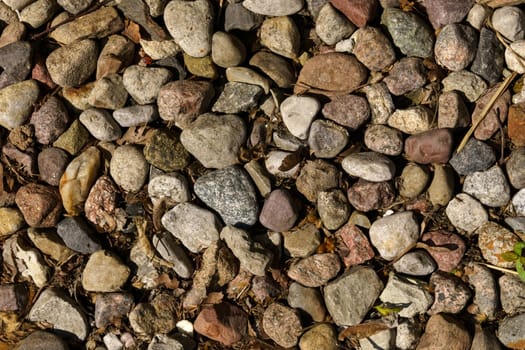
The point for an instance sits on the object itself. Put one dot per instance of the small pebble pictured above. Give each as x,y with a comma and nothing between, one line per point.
412,295
135,115
327,139
50,244
415,263
483,283
282,325
275,67
302,241
281,36
164,151
446,248
475,156
511,332
73,139
471,85
514,166
392,235
40,205
172,187
369,166
355,248
319,337
516,124
276,164
493,241
227,50
441,189
490,187
274,7
259,177
382,339
156,316
73,64
16,62
443,332
373,48
237,97
466,213
239,17
115,56
16,103
333,208
331,26
100,124
248,76
144,83
433,146
42,340
317,176
11,220
101,204
450,294
490,123
440,13
50,120
513,56
380,100
509,21
78,235
171,251
315,270
512,294
129,168
452,111
224,322
104,272
350,111
413,181
279,211
406,75
366,196
359,12
455,46
518,203
484,339
108,93
308,300
407,334
298,112
413,120
477,15
490,60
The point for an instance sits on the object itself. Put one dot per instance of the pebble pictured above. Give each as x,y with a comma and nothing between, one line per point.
380,100
16,103
373,48
275,161
227,50
77,96
144,83
50,244
284,140
484,339
135,115
315,270
73,139
516,124
74,6
182,101
104,272
513,56
25,261
490,123
452,111
50,120
78,235
172,187
230,192
477,16
40,205
11,220
281,36
160,49
116,55
274,8
164,342
411,294
275,67
282,325
382,339
42,340
237,97
248,76
180,18
510,331
509,21
101,203
406,75
514,166
359,12
13,297
493,241
518,203
490,187
224,322
265,288
433,146
316,176
16,62
342,73
512,294
331,26
319,337
350,111
25,160
484,285
366,196
450,294
303,241
490,60
38,13
333,209
239,17
407,334
279,212
441,189
441,13
157,316
164,151
410,33
196,227
413,120
356,248
413,180
308,300
172,252
392,235
259,177
475,156
112,342
55,307
466,213
359,287
298,112
100,124
108,93
444,332
455,46
415,263
517,224
471,85
369,166
327,139
252,255
11,33
446,248
73,64
129,168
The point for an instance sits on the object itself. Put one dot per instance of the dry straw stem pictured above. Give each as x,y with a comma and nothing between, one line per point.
500,3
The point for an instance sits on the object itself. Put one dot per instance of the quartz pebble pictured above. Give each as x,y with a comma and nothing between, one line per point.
392,234
513,56
490,187
298,113
369,166
466,213
477,15
509,21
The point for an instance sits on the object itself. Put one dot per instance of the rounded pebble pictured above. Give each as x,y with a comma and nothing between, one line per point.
129,168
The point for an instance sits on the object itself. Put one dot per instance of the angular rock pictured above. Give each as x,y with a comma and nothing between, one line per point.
16,103
104,272
331,26
466,213
222,322
40,205
281,35
333,208
115,56
239,17
298,112
144,83
413,120
489,61
359,12
475,156
315,270
415,263
248,76
484,339
282,325
50,244
490,187
317,176
303,241
444,332
109,93
392,235
237,97
279,211
78,235
355,248
471,85
72,65
406,75
411,294
164,151
366,196
446,248
450,294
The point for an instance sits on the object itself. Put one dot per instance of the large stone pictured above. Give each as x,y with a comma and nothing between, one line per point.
104,272
443,332
393,234
411,294
73,64
17,102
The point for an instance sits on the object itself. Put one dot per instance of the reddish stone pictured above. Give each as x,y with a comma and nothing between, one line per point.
406,75
373,49
354,247
516,124
446,248
347,110
50,120
433,146
40,205
51,165
360,12
490,123
40,73
13,297
315,270
443,12
365,195
111,307
452,111
101,203
222,322
279,212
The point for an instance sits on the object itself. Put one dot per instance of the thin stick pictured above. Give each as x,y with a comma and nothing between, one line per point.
497,268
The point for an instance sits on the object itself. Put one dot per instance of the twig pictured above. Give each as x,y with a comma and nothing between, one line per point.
497,268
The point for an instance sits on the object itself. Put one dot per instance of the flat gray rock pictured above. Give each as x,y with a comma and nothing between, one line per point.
511,331
168,248
78,235
41,340
410,294
370,166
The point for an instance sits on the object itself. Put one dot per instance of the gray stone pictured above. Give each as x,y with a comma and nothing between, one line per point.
260,177
327,139
302,241
38,13
485,289
332,26
517,224
15,61
383,339
41,340
485,339
282,325
16,103
239,17
237,97
104,272
383,139
455,46
78,235
144,83
109,93
129,168
441,189
227,50
230,192
375,50
281,35
477,16
415,263
471,85
450,294
466,213
164,342
350,297
308,300
298,112
475,156
410,294
490,187
73,64
452,111
135,115
274,7
511,331
248,76
512,294
369,166
173,253
515,167
275,67
333,208
196,227
74,6
317,176
518,202
380,100
100,124
58,309
490,60
315,270
509,21
172,187
393,234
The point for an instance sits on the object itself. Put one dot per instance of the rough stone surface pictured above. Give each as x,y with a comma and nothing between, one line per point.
415,263
308,300
406,75
350,111
512,294
39,204
333,208
104,272
493,241
433,146
332,26
455,46
222,322
327,139
413,120
50,120
281,36
391,235
354,247
411,293
129,168
369,166
485,290
373,48
321,336
237,97
16,103
315,177
466,213
489,61
471,85
41,340
303,241
441,13
366,196
279,211
315,270
450,294
452,111
511,333
490,187
444,332
475,156
73,64
381,103
144,83
282,324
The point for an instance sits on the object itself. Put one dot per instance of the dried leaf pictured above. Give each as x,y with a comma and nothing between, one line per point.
363,330
131,31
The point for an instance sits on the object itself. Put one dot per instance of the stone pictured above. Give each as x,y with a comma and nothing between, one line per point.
274,8
331,26
55,307
74,6
319,337
450,294
516,124
115,56
265,288
73,139
248,76
239,17
276,164
350,111
11,220
298,112
112,342
410,33
41,340
333,208
227,50
513,56
367,196
455,46
129,168
411,294
38,13
156,316
433,146
108,93
78,235
316,176
230,192
24,261
16,62
466,213
373,48
50,120
446,248
222,322
97,24
279,211
349,298
275,67
407,334
413,120
196,227
25,160
415,263
180,18
471,85
73,64
201,66
281,36
164,151
514,167
484,339
441,13
444,332
160,49
359,12
237,97
494,240
510,331
452,111
315,270
381,103
413,180
145,83
486,294
282,325
172,187
16,103
308,300
392,235
259,177
383,339
355,248
104,272
518,202
303,241
39,204
475,156
441,189
164,342
12,33
172,252
509,21
342,74
327,139
495,117
135,115
490,187
512,294
490,60
50,244
13,297
100,124
369,166
477,15
407,74
77,96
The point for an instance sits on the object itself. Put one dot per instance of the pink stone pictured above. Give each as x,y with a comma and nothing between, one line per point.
355,248
433,146
446,248
222,322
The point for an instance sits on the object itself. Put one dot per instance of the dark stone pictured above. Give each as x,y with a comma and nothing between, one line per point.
78,235
111,307
475,156
239,17
41,340
367,196
15,63
490,59
163,150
